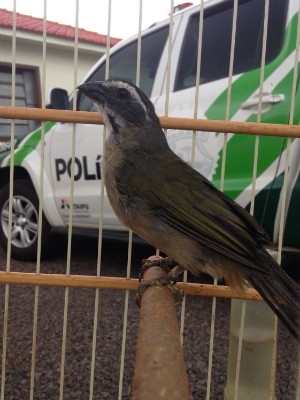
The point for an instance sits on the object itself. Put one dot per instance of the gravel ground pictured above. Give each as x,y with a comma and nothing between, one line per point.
109,334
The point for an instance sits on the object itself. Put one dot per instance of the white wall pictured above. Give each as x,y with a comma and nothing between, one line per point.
59,60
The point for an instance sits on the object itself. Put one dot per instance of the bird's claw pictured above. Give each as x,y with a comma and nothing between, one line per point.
168,280
167,264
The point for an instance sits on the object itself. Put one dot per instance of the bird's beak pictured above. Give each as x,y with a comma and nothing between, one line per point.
94,90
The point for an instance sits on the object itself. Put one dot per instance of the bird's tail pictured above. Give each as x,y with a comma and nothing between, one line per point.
281,293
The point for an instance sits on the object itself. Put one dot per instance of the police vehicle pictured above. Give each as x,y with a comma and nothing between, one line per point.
207,155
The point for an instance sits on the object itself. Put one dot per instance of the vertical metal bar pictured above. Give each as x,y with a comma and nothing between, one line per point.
125,319
159,368
214,300
223,167
239,352
94,342
286,173
199,59
139,46
126,300
285,188
107,59
228,100
211,343
240,309
38,264
260,94
41,184
263,307
298,378
100,227
70,222
168,72
168,69
12,136
167,101
227,117
291,120
196,105
11,185
231,60
266,319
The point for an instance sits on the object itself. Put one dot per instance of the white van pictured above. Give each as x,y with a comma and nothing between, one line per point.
213,94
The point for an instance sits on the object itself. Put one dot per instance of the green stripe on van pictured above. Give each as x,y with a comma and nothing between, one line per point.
30,143
240,169
240,165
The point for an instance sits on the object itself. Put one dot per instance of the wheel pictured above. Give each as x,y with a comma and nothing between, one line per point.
24,237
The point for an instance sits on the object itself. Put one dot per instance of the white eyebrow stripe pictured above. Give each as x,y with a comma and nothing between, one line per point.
131,90
136,96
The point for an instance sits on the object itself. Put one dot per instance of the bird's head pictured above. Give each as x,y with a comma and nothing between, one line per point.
122,104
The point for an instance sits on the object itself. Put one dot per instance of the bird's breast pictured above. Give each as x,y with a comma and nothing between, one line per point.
112,168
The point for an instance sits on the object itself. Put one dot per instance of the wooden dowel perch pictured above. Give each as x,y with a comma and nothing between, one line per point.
84,117
160,371
105,282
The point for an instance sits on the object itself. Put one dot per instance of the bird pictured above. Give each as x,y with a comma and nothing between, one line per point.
176,209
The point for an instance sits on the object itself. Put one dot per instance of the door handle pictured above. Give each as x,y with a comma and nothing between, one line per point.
267,100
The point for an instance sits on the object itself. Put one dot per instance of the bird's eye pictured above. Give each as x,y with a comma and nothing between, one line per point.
123,94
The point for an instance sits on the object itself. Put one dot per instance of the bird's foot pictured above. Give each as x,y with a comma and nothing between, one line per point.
173,272
166,264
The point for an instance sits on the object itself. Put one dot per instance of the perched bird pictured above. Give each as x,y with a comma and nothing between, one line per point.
174,208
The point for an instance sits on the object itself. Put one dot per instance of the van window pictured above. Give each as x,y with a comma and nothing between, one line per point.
216,42
123,63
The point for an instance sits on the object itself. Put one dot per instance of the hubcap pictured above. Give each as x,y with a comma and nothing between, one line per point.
24,222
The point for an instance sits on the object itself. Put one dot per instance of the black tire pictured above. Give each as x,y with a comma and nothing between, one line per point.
24,222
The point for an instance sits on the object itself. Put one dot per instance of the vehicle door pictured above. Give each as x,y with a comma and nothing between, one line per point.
215,93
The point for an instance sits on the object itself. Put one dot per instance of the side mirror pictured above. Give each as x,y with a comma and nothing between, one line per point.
59,99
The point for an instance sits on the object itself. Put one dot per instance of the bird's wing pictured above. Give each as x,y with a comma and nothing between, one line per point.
189,203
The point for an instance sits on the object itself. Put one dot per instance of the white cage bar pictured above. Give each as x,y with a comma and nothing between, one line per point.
195,125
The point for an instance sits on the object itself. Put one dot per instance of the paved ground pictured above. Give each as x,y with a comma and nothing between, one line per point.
109,335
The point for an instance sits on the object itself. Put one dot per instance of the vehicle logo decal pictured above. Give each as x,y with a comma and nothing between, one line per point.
64,204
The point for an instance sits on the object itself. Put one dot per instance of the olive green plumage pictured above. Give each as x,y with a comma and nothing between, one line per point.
173,207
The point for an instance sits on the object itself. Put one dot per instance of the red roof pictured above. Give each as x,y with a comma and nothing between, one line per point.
32,24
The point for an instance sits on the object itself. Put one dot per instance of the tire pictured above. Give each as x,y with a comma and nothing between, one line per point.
24,222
